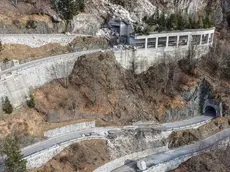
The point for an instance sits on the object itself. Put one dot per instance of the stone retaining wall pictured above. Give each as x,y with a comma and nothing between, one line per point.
42,157
16,82
69,128
112,165
145,58
173,164
37,40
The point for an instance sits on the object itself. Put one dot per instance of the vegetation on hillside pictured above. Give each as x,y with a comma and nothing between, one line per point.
30,101
68,8
14,161
6,105
175,21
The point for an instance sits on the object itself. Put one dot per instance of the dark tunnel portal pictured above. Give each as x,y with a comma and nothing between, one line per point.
210,111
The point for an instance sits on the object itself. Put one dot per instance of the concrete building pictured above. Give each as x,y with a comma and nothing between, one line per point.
174,39
122,29
149,49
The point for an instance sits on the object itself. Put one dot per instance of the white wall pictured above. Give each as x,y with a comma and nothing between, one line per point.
70,128
112,165
37,40
173,164
17,81
145,58
42,157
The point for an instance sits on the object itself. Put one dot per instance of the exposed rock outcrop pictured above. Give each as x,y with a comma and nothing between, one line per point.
46,20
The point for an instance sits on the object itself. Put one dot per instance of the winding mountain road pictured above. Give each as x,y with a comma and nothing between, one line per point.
156,159
34,62
46,144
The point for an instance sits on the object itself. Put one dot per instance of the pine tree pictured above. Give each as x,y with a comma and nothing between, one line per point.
157,16
31,101
200,23
186,20
69,8
14,161
6,105
207,21
174,21
162,22
180,22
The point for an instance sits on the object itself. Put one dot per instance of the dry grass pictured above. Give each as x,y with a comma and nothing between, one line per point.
25,53
82,157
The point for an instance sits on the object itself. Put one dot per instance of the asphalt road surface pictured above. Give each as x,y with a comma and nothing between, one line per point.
156,159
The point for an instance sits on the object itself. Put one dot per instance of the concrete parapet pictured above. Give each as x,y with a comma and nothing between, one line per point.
69,128
112,165
42,157
174,163
16,81
37,40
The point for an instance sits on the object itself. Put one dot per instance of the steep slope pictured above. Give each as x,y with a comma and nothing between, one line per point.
40,16
100,88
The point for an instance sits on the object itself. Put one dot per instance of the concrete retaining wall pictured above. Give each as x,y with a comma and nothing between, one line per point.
68,129
145,58
41,158
17,81
112,165
37,40
192,126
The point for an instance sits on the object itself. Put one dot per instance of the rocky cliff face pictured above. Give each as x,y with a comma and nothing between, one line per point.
140,8
14,19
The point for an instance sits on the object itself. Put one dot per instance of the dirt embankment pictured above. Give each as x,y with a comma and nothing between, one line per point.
28,17
83,157
216,161
181,138
25,53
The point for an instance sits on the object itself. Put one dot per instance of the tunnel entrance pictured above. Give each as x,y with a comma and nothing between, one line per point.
210,111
